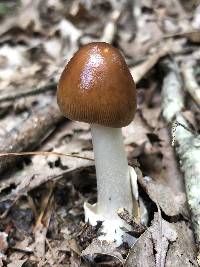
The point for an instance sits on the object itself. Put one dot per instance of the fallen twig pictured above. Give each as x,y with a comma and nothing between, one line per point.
139,71
191,86
181,34
13,95
42,222
110,28
29,134
43,153
186,143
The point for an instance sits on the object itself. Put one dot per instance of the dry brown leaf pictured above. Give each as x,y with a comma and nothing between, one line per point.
162,234
102,247
173,243
39,172
141,254
182,252
171,204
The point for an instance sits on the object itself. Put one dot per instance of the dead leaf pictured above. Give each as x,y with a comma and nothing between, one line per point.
162,234
183,251
171,204
172,241
141,254
102,247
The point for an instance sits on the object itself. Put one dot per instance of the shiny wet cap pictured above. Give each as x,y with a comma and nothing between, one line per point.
97,87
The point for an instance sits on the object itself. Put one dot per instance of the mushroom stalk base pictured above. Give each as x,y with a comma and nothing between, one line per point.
113,230
113,182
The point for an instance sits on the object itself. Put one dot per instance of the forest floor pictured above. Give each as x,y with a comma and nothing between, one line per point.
42,195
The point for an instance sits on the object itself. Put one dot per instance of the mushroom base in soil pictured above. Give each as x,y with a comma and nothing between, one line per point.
114,185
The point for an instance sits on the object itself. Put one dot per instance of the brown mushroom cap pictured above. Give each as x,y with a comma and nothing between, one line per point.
97,87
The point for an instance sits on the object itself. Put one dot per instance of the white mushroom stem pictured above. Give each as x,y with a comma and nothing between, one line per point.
113,182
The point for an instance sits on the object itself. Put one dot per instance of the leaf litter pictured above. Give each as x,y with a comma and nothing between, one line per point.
41,197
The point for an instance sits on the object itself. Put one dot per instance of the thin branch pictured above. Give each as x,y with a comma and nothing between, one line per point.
181,34
13,95
191,86
43,153
110,28
140,70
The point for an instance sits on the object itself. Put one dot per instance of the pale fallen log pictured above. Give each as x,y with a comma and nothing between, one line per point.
187,143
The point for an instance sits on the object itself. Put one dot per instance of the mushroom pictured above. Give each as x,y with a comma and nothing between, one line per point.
96,87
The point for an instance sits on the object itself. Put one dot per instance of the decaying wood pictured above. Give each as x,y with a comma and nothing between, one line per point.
16,94
187,144
42,223
29,134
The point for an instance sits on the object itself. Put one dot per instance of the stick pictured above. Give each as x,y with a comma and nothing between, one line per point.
187,144
29,134
10,96
43,153
191,86
110,28
139,71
